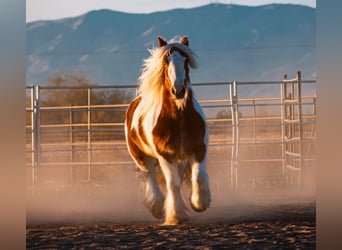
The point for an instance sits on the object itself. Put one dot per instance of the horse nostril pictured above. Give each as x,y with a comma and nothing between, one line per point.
178,93
183,91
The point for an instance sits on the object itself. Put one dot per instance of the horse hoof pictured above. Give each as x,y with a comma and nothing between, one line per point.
156,208
157,213
200,206
175,221
198,209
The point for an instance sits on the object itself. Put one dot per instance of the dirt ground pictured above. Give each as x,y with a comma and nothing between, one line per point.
285,226
111,216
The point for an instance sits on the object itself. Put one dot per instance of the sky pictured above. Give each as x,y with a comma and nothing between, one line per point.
57,9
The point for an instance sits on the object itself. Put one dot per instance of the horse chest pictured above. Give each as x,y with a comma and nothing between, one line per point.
177,136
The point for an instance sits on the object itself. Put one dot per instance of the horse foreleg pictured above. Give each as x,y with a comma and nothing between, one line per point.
200,195
174,207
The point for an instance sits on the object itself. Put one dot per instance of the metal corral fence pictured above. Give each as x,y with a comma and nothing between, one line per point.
255,139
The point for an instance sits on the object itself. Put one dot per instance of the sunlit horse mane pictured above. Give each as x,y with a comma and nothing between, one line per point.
152,77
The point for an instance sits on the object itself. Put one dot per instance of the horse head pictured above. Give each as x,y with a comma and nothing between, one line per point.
176,68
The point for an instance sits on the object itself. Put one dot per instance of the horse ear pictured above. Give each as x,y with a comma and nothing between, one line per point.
161,41
184,40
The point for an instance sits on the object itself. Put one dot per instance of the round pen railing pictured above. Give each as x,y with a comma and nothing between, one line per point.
291,115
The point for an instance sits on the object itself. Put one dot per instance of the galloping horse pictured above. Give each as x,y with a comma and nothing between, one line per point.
166,133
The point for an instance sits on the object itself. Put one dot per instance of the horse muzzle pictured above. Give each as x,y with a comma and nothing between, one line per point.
178,93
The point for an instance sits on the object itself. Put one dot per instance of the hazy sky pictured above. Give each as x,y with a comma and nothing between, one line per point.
56,9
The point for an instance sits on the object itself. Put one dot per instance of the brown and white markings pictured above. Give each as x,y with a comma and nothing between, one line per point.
166,133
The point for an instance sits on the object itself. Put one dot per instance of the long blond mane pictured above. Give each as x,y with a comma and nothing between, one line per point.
151,79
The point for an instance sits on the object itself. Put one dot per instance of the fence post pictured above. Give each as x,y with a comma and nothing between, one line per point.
72,140
33,136
89,135
314,113
282,118
283,125
235,135
301,135
35,123
254,131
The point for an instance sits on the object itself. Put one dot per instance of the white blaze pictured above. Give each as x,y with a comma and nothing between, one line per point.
176,70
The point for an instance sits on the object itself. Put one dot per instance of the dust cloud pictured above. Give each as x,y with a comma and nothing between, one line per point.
116,201
119,200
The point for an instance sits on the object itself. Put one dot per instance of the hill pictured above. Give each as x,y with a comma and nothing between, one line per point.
233,43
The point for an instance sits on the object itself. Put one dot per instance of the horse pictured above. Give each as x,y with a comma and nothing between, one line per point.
166,133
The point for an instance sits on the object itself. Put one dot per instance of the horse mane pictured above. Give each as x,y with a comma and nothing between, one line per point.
151,79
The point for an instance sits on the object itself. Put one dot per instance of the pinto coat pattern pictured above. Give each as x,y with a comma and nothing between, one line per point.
167,135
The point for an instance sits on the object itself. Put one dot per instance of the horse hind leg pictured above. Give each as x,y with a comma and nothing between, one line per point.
154,198
200,195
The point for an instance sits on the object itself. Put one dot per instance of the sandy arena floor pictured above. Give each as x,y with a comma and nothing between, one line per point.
287,226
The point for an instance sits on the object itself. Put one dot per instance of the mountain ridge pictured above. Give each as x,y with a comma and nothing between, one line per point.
233,42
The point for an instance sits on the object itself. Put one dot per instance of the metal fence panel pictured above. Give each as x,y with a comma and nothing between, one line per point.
249,136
